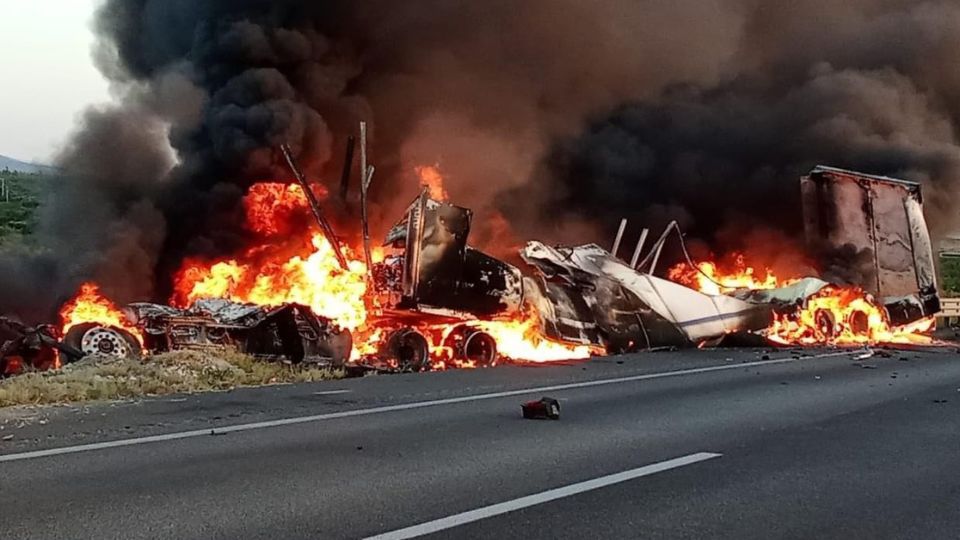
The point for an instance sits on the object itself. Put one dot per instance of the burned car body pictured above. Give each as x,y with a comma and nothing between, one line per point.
289,332
33,347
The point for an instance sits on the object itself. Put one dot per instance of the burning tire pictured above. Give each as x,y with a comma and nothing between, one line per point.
859,322
826,323
92,338
472,345
409,349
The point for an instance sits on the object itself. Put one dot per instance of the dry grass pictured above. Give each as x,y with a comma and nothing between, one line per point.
98,378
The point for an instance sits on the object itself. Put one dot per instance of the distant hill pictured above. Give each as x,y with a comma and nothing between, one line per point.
15,165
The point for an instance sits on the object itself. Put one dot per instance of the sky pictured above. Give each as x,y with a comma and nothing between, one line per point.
47,76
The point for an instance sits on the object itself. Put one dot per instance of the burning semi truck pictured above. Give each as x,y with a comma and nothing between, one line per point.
585,296
426,299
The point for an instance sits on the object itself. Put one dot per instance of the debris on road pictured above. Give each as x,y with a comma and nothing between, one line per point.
543,408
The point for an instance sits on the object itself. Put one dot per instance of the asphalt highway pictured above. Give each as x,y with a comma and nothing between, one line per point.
702,444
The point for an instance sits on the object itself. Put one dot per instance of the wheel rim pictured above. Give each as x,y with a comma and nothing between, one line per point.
480,347
410,349
105,342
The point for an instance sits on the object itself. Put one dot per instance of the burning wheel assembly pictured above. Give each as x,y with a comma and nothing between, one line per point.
859,322
472,345
409,349
826,323
92,338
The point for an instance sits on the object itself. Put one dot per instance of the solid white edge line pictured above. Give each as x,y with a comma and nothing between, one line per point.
389,408
485,512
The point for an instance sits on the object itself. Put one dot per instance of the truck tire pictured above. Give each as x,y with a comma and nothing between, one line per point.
93,338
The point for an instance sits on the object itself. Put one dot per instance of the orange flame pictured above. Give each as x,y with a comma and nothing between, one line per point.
835,315
90,306
709,278
431,179
314,279
844,316
278,271
441,355
520,339
268,275
270,206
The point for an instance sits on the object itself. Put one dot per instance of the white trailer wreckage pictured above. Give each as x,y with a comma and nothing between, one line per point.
586,295
583,295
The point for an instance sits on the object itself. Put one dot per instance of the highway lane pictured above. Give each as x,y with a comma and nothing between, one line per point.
810,447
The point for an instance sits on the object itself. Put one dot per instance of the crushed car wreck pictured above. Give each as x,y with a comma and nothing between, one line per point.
30,347
289,332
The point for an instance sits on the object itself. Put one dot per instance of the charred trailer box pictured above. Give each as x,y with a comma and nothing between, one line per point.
873,229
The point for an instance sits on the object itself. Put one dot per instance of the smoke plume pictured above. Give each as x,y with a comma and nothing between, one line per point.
560,116
864,85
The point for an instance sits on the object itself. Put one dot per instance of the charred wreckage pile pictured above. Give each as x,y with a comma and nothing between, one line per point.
425,299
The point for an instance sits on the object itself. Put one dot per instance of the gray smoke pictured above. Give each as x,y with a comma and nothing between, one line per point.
560,115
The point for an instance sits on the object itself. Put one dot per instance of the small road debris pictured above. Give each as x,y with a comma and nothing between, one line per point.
541,409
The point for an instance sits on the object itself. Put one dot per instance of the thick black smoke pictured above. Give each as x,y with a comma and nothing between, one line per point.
864,86
561,115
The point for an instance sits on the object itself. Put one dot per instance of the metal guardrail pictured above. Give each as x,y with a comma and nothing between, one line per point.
949,308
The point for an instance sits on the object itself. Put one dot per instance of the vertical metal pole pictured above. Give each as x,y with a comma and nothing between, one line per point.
363,151
366,176
364,221
639,248
347,165
656,259
325,226
616,243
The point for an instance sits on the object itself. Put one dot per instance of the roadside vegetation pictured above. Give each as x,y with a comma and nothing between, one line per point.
950,275
20,197
100,378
